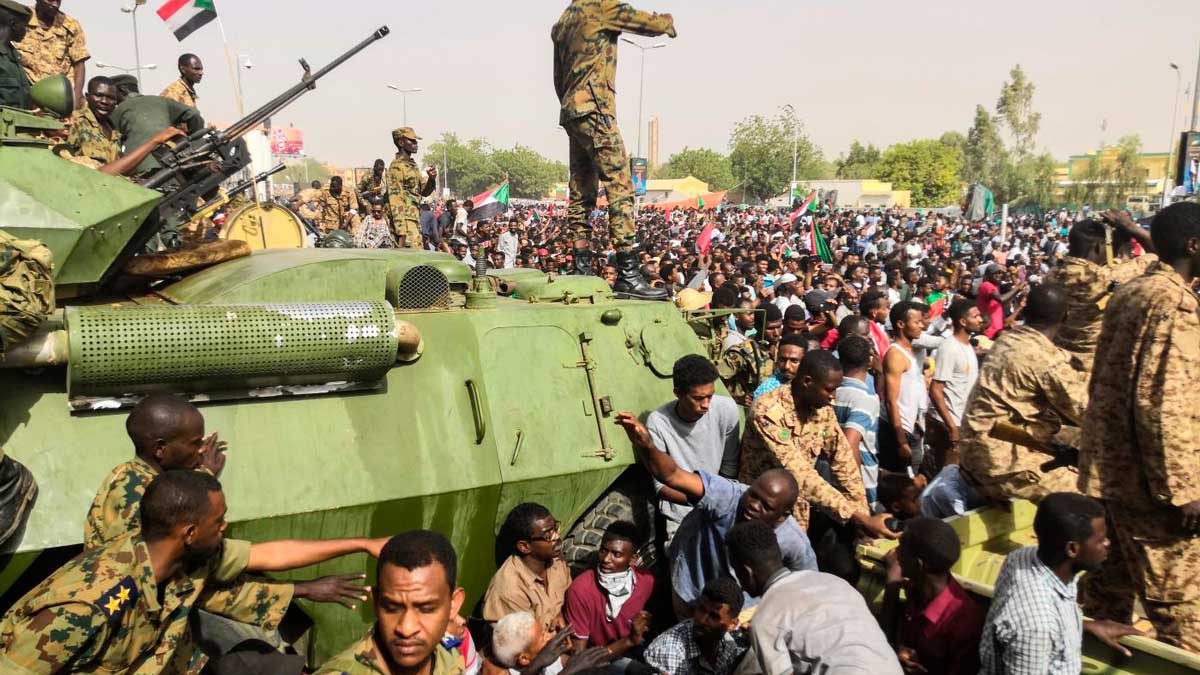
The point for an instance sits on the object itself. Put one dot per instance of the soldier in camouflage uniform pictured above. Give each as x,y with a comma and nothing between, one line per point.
335,206
1090,278
585,67
407,186
432,586
743,367
91,134
373,189
125,607
183,90
1029,383
794,427
55,45
14,83
1138,451
26,300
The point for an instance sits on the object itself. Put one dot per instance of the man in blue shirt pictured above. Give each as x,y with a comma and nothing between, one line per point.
698,552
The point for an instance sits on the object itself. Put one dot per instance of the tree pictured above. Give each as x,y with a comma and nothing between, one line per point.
530,175
303,172
709,166
984,156
1015,109
953,139
859,163
471,167
761,154
926,167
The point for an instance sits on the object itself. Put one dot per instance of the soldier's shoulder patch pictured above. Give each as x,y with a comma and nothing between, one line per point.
118,599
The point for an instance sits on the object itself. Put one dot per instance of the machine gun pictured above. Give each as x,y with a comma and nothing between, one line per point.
192,169
215,204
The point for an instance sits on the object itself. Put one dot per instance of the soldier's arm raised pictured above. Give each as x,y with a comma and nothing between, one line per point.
288,554
658,463
625,18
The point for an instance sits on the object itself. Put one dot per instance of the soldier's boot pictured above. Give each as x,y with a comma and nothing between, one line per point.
581,262
630,281
17,492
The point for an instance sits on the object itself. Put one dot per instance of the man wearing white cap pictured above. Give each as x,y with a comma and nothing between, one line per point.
785,292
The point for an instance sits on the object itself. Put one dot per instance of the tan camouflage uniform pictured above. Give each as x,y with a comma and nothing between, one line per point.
1139,448
370,192
181,91
585,69
26,288
743,367
102,613
115,512
1089,287
91,139
308,208
54,49
1028,382
405,182
335,211
362,658
776,437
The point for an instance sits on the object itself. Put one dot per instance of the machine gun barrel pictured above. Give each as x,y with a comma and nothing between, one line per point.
225,198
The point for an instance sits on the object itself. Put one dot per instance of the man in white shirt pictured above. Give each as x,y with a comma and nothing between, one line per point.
955,371
507,244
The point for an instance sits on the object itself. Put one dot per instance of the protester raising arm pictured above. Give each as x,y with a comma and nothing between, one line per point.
660,464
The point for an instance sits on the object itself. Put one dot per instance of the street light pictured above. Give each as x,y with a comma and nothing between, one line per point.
404,95
148,66
642,92
1166,199
131,10
243,61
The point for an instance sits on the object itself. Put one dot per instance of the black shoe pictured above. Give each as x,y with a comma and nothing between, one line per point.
630,281
581,262
17,492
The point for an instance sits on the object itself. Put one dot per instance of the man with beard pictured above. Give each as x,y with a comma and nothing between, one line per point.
711,641
697,553
92,134
125,607
787,363
416,594
183,90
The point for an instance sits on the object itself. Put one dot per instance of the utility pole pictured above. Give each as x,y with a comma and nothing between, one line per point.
642,92
1166,195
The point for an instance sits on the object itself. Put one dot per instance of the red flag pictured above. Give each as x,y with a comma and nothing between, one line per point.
705,241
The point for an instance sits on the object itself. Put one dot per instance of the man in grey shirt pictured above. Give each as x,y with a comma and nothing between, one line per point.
699,430
955,371
807,622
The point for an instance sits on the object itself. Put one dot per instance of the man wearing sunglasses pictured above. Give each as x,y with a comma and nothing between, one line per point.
534,578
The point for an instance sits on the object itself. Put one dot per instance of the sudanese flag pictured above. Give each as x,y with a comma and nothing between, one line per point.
185,17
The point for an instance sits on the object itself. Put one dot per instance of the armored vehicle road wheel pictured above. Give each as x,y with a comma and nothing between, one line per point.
631,498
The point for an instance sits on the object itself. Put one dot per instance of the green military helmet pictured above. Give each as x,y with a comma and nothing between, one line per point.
337,239
55,94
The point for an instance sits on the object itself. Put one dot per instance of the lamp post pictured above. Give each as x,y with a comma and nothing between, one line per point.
1166,197
243,62
404,96
642,86
148,66
131,10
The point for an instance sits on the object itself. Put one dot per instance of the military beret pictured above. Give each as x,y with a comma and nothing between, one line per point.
16,8
122,81
404,132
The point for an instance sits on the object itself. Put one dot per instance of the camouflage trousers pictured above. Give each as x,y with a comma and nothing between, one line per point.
1031,485
598,154
410,231
1163,564
26,289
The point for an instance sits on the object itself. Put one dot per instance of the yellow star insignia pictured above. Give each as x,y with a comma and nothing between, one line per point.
123,595
112,606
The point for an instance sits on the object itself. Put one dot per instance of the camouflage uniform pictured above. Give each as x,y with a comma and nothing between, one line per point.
115,513
1089,287
585,68
54,49
334,212
404,183
1138,452
102,612
777,438
1028,382
309,209
181,91
373,193
91,139
26,288
743,367
362,658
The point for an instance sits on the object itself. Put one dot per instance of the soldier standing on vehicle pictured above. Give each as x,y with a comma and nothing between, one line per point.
339,208
406,187
585,67
1092,270
55,45
113,608
1138,452
26,299
191,71
373,189
14,83
92,134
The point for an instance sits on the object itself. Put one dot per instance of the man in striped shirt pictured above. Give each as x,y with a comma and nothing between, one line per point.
857,409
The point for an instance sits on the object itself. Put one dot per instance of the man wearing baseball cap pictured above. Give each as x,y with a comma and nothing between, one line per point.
14,84
407,186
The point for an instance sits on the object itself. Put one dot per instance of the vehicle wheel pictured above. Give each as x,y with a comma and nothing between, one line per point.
630,499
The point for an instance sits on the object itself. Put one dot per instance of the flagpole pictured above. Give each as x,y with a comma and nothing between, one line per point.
233,73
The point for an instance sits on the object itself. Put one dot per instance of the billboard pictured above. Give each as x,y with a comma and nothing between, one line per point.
287,142
637,167
1188,174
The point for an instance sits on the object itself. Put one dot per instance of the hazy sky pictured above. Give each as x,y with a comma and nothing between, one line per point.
878,71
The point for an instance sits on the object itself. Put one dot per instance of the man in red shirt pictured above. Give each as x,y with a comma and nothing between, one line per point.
605,604
991,301
941,625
